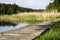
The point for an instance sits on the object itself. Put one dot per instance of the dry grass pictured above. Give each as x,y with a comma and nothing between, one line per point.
31,17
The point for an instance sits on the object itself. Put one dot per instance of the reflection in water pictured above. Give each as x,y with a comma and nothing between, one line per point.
7,28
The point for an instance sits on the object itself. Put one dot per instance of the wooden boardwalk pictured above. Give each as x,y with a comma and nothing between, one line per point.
26,33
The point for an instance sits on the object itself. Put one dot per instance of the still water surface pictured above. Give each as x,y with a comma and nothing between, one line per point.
8,28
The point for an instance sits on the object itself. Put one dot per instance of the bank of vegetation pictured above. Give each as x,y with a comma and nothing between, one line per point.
32,17
54,6
14,9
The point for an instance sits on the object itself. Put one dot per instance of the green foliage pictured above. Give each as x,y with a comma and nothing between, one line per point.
52,34
54,6
7,9
13,9
10,11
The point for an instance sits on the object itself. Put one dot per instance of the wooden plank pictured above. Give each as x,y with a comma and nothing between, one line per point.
26,33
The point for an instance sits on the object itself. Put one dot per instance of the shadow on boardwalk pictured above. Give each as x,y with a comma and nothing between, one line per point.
55,29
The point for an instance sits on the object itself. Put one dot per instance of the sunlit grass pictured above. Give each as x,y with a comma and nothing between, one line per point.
35,17
52,34
29,17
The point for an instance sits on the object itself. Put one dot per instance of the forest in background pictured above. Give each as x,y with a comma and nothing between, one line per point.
13,9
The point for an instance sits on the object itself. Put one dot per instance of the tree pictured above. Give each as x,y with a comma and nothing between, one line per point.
10,10
54,6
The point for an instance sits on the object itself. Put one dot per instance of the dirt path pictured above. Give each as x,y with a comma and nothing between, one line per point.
26,33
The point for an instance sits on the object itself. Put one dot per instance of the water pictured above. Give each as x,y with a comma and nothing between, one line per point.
8,28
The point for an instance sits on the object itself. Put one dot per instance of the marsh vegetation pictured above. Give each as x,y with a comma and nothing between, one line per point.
29,17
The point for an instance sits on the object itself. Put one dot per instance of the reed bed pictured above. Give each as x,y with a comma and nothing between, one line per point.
29,17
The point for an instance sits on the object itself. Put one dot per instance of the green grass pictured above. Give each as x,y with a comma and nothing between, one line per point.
10,19
52,34
30,18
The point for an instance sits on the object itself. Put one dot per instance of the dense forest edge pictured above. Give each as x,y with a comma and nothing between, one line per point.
54,6
13,9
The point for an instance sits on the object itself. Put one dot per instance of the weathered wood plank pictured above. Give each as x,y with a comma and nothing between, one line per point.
26,33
